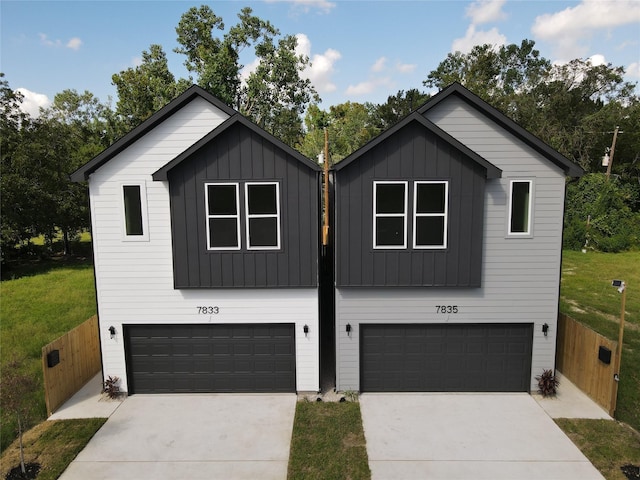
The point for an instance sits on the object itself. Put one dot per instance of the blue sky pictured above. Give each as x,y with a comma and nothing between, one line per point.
360,50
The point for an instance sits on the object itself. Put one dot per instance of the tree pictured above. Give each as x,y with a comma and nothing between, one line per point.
349,128
146,88
16,387
397,107
274,94
491,72
12,124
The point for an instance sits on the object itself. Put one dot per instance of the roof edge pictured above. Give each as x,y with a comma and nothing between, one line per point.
492,170
161,173
570,168
82,174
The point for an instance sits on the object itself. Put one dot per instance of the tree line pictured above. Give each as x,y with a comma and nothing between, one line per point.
573,107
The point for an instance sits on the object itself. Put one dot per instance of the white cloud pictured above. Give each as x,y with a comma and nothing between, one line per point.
305,6
322,65
597,60
379,64
74,44
406,67
32,101
633,70
47,42
369,86
485,11
474,37
569,28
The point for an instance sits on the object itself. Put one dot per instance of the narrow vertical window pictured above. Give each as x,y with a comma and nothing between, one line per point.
223,219
263,216
430,215
389,214
520,207
132,210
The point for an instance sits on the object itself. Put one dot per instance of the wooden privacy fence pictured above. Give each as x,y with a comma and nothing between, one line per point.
579,357
69,362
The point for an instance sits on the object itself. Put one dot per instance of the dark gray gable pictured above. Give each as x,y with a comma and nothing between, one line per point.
414,150
238,152
149,124
161,174
492,170
570,168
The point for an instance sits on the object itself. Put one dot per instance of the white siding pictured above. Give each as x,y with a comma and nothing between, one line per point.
520,276
134,280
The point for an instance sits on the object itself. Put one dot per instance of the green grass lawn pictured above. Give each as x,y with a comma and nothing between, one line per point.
36,310
587,295
53,445
328,442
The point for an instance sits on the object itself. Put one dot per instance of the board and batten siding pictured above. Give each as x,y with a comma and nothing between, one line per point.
240,155
520,276
399,158
134,279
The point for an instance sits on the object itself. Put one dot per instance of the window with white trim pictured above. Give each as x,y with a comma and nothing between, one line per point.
134,212
262,206
520,192
390,214
223,216
430,205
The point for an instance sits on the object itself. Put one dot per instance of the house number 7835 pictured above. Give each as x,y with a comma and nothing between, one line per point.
446,309
209,310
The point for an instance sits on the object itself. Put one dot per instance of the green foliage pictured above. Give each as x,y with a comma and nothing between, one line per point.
328,442
349,127
144,89
274,94
36,310
586,294
54,444
607,444
599,214
397,107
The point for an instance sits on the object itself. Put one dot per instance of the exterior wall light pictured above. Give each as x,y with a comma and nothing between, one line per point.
545,329
348,329
306,330
112,331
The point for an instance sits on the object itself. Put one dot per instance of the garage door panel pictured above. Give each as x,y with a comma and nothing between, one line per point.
461,357
210,358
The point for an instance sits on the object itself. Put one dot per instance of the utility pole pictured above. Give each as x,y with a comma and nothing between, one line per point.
613,147
325,228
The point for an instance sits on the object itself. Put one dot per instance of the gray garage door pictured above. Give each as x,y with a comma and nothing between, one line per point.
445,358
210,358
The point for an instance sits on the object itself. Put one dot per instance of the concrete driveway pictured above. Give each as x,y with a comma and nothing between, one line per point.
191,437
467,436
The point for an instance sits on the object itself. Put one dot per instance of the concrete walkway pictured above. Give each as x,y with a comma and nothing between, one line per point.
570,402
88,402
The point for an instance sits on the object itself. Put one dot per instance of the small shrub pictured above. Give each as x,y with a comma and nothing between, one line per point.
547,383
111,387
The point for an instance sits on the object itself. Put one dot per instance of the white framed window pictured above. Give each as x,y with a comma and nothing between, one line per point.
430,214
223,216
520,208
135,226
262,208
390,214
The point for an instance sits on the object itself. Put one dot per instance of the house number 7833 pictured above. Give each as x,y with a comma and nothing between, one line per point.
209,310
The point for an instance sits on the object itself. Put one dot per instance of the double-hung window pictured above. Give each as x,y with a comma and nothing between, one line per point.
520,192
260,219
263,215
390,214
430,204
223,216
